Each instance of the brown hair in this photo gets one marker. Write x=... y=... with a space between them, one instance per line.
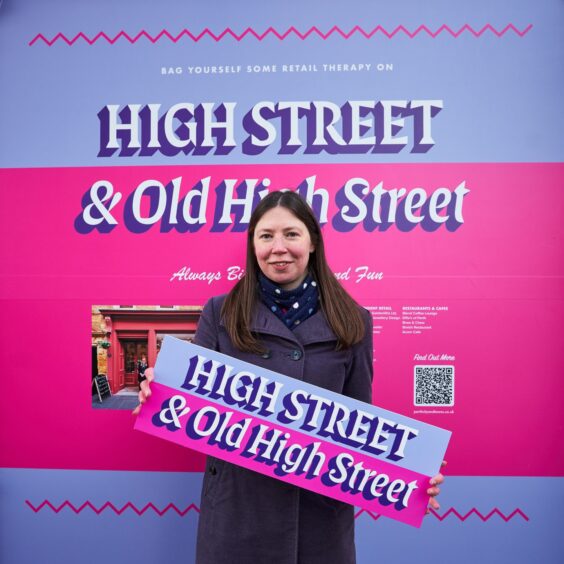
x=342 y=312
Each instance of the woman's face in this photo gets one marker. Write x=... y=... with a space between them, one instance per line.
x=282 y=246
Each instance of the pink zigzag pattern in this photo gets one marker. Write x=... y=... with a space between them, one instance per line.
x=452 y=511
x=335 y=30
x=474 y=511
x=181 y=512
x=375 y=516
x=109 y=505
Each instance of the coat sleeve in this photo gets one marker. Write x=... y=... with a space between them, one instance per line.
x=208 y=326
x=358 y=383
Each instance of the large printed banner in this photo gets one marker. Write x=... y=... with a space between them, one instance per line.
x=293 y=431
x=135 y=140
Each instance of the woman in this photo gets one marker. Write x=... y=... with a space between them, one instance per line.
x=141 y=369
x=288 y=314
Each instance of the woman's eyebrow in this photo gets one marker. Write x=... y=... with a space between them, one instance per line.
x=287 y=228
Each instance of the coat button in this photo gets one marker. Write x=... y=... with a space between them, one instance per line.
x=266 y=354
x=296 y=354
x=213 y=470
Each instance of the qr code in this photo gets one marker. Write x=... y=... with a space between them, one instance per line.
x=434 y=385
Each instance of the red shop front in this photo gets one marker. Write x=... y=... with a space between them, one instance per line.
x=133 y=333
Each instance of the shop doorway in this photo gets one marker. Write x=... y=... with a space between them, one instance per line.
x=132 y=352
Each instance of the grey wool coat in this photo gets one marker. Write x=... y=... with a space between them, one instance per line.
x=250 y=518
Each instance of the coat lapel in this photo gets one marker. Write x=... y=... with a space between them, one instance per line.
x=314 y=329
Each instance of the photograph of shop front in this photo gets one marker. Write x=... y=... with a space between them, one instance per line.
x=125 y=339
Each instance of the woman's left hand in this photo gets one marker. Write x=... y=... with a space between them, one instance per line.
x=434 y=490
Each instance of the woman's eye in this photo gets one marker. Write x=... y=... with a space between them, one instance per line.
x=292 y=234
x=264 y=236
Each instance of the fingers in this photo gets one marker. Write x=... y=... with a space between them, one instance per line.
x=145 y=391
x=434 y=504
x=150 y=375
x=434 y=491
x=142 y=399
x=437 y=480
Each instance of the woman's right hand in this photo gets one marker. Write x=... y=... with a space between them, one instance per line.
x=145 y=391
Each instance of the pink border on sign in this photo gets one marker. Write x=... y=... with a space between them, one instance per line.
x=412 y=514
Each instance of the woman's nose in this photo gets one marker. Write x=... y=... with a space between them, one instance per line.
x=278 y=245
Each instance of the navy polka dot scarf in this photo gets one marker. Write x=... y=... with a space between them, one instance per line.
x=292 y=307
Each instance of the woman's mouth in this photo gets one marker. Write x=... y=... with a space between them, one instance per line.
x=281 y=265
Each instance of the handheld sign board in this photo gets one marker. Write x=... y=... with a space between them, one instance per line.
x=293 y=431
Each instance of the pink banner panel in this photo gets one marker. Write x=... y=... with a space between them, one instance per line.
x=483 y=296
